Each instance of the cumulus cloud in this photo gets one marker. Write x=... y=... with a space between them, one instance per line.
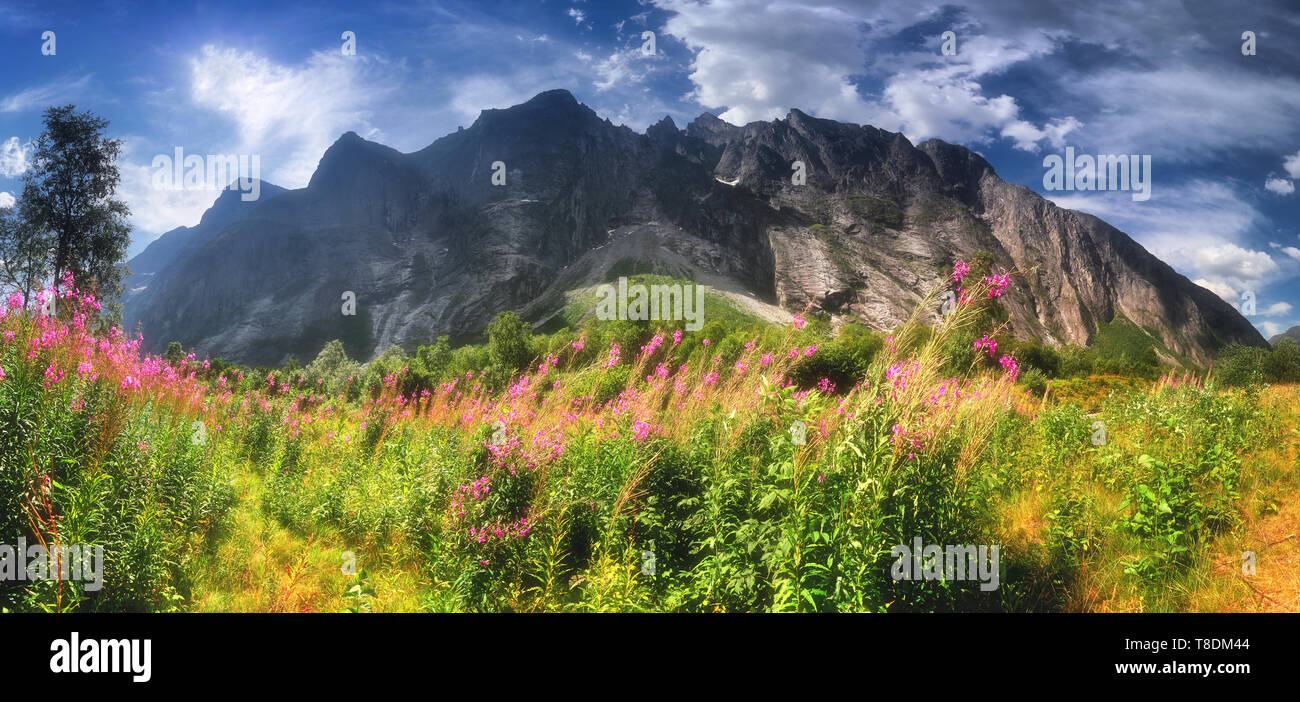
x=1027 y=135
x=1291 y=251
x=13 y=157
x=1292 y=165
x=6 y=201
x=758 y=59
x=1281 y=186
x=1277 y=308
x=1232 y=262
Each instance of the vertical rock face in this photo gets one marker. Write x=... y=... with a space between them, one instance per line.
x=431 y=244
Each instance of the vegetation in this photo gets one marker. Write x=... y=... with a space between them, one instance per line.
x=616 y=466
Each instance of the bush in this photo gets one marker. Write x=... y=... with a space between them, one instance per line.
x=1241 y=366
x=1282 y=365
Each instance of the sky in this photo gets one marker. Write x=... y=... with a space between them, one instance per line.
x=1016 y=81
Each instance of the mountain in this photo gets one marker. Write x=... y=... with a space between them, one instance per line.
x=180 y=242
x=1292 y=333
x=429 y=245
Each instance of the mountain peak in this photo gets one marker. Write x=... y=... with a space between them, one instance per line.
x=557 y=96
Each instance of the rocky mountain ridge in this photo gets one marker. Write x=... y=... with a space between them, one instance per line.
x=430 y=245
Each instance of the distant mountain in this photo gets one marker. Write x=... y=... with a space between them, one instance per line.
x=1292 y=333
x=430 y=246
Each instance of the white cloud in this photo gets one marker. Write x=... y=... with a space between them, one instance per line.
x=1193 y=227
x=622 y=68
x=1027 y=135
x=1164 y=120
x=13 y=157
x=759 y=59
x=474 y=94
x=1277 y=308
x=1281 y=186
x=1269 y=329
x=290 y=115
x=1232 y=262
x=1291 y=251
x=577 y=15
x=6 y=201
x=1292 y=165
x=1223 y=290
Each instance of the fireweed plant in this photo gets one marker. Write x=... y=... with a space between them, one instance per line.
x=747 y=479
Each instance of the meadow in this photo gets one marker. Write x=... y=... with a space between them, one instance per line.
x=617 y=466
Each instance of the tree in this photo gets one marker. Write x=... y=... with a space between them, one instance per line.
x=24 y=251
x=435 y=360
x=174 y=354
x=508 y=341
x=69 y=193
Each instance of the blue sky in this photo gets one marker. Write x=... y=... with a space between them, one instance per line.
x=1028 y=79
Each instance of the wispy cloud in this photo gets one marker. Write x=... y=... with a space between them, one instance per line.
x=42 y=96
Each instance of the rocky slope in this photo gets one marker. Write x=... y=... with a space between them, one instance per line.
x=1293 y=333
x=430 y=245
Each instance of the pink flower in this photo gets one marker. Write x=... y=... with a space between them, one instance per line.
x=1010 y=366
x=959 y=271
x=580 y=343
x=997 y=284
x=987 y=344
x=677 y=337
x=613 y=355
x=799 y=321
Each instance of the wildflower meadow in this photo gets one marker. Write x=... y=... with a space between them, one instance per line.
x=616 y=466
